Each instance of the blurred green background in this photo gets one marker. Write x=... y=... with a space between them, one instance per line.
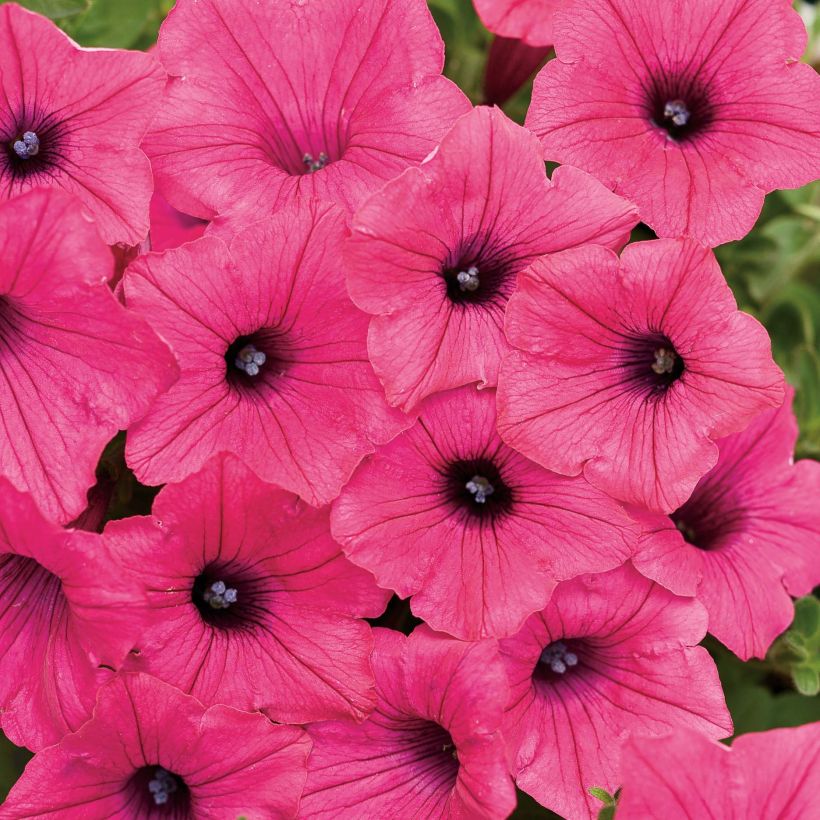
x=774 y=273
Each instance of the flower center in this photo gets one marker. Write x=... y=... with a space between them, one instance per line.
x=478 y=275
x=219 y=596
x=477 y=487
x=255 y=360
x=249 y=360
x=652 y=363
x=480 y=488
x=313 y=165
x=558 y=657
x=676 y=112
x=162 y=786
x=154 y=791
x=28 y=146
x=680 y=106
x=468 y=279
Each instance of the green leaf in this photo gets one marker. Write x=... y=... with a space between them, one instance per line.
x=806 y=616
x=806 y=680
x=118 y=23
x=603 y=795
x=55 y=9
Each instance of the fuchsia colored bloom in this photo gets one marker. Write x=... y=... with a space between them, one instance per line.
x=693 y=110
x=272 y=354
x=431 y=748
x=250 y=602
x=527 y=20
x=65 y=610
x=170 y=228
x=323 y=98
x=767 y=775
x=612 y=655
x=474 y=531
x=630 y=369
x=73 y=118
x=435 y=254
x=151 y=751
x=746 y=539
x=75 y=366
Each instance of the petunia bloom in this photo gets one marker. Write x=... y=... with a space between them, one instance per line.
x=150 y=751
x=170 y=228
x=73 y=118
x=249 y=601
x=747 y=538
x=692 y=110
x=75 y=366
x=273 y=100
x=476 y=533
x=431 y=748
x=766 y=775
x=629 y=370
x=437 y=275
x=272 y=353
x=66 y=620
x=611 y=656
x=527 y=20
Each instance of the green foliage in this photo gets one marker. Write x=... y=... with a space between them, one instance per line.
x=775 y=275
x=610 y=802
x=796 y=652
x=55 y=9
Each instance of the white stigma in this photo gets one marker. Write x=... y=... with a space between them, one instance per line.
x=219 y=595
x=558 y=657
x=249 y=360
x=317 y=164
x=162 y=786
x=480 y=488
x=27 y=147
x=664 y=361
x=676 y=111
x=468 y=279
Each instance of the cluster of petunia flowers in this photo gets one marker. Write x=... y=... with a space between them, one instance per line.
x=371 y=350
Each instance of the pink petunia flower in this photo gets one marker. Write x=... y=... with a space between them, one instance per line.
x=611 y=656
x=75 y=366
x=437 y=275
x=272 y=353
x=527 y=20
x=170 y=228
x=628 y=370
x=431 y=748
x=270 y=100
x=476 y=533
x=65 y=622
x=249 y=601
x=766 y=775
x=693 y=110
x=151 y=751
x=746 y=539
x=73 y=118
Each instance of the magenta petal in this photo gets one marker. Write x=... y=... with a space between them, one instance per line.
x=627 y=664
x=90 y=109
x=140 y=725
x=474 y=569
x=430 y=749
x=315 y=408
x=481 y=202
x=584 y=392
x=327 y=100
x=291 y=639
x=75 y=366
x=746 y=539
x=751 y=113
x=768 y=775
x=68 y=618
